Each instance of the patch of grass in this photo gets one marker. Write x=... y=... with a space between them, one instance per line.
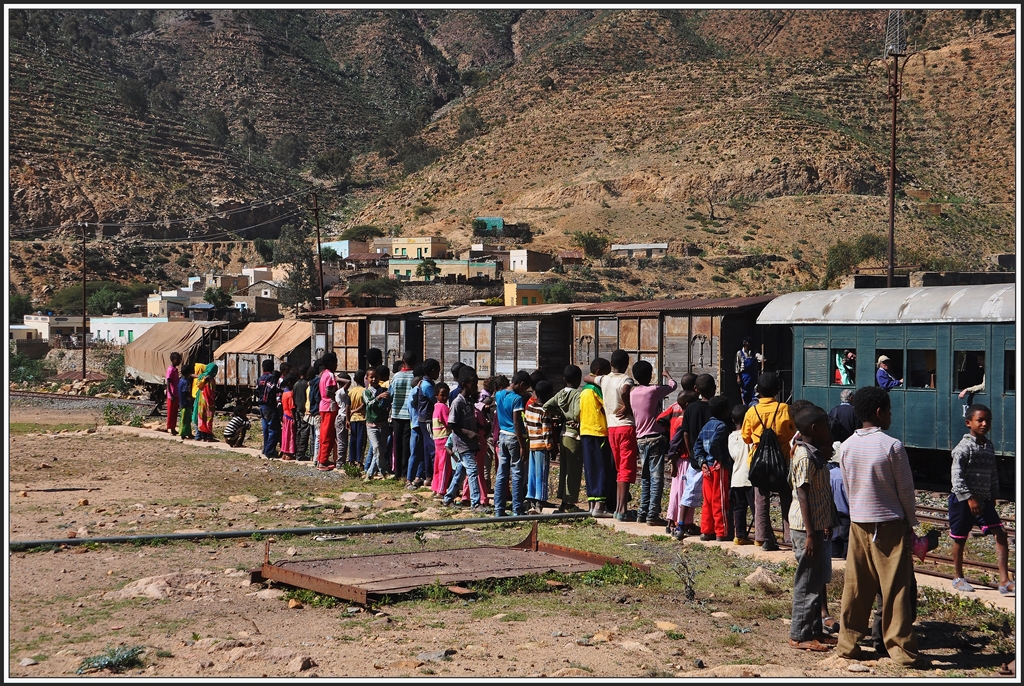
x=676 y=635
x=312 y=598
x=577 y=665
x=730 y=641
x=114 y=659
x=938 y=605
x=765 y=609
x=514 y=617
x=164 y=653
x=40 y=657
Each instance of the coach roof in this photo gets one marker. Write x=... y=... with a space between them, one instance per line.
x=950 y=304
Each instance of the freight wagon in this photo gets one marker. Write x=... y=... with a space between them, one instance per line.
x=240 y=360
x=351 y=331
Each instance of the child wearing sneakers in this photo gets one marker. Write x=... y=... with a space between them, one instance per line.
x=972 y=500
x=741 y=493
x=711 y=450
x=615 y=390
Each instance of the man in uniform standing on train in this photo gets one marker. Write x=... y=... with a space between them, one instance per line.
x=746 y=371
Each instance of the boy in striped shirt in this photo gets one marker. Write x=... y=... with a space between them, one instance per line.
x=539 y=430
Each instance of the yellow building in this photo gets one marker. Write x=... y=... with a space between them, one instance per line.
x=523 y=294
x=454 y=270
x=419 y=247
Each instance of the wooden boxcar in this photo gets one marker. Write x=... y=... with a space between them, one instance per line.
x=699 y=336
x=351 y=331
x=939 y=339
x=501 y=340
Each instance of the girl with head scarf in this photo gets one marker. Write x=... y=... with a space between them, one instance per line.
x=197 y=372
x=206 y=402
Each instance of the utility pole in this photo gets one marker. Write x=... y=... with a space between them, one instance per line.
x=319 y=255
x=895 y=47
x=84 y=330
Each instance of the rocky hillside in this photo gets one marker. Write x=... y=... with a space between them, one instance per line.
x=741 y=132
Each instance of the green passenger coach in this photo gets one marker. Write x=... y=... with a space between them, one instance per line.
x=939 y=340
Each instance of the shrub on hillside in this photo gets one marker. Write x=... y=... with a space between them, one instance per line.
x=132 y=94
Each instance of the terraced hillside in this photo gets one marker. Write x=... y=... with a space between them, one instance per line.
x=738 y=132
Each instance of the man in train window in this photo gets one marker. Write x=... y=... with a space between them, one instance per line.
x=883 y=377
x=746 y=371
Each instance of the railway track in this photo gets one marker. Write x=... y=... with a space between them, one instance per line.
x=62 y=401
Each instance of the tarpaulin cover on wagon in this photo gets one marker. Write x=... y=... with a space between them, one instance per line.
x=276 y=338
x=149 y=356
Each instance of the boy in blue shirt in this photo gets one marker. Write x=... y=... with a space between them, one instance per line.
x=510 y=403
x=711 y=452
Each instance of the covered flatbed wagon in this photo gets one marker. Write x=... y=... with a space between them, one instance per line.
x=241 y=358
x=148 y=357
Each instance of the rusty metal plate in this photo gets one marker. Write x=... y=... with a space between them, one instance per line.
x=360 y=578
x=383 y=574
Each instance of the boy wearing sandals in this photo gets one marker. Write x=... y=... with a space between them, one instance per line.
x=811 y=519
x=972 y=501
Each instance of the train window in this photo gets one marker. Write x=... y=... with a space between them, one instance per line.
x=843 y=370
x=920 y=369
x=969 y=371
x=1010 y=371
x=815 y=367
x=893 y=365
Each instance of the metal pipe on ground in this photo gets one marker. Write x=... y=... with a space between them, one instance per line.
x=297 y=531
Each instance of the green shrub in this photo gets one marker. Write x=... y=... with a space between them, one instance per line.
x=25 y=369
x=115 y=660
x=118 y=413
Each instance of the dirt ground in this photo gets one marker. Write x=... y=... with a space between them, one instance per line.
x=203 y=618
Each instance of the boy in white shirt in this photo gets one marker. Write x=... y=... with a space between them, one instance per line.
x=741 y=493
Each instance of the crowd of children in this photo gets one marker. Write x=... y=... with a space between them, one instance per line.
x=848 y=493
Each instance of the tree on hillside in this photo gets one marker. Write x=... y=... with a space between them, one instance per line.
x=471 y=124
x=427 y=269
x=332 y=164
x=302 y=284
x=592 y=244
x=265 y=249
x=215 y=124
x=558 y=292
x=218 y=298
x=287 y=150
x=376 y=289
x=20 y=305
x=132 y=94
x=105 y=300
x=362 y=232
x=329 y=255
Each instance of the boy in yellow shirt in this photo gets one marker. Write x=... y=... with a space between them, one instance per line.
x=597 y=455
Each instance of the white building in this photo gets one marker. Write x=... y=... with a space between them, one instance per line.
x=49 y=325
x=121 y=330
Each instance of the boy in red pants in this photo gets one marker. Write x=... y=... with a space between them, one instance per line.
x=711 y=450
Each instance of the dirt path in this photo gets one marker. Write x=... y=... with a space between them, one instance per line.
x=203 y=618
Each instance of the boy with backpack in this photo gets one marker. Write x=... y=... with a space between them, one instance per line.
x=768 y=429
x=711 y=451
x=566 y=404
x=267 y=396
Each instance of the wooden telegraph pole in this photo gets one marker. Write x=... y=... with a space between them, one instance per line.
x=319 y=255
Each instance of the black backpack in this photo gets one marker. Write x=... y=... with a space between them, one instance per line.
x=266 y=390
x=314 y=395
x=769 y=469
